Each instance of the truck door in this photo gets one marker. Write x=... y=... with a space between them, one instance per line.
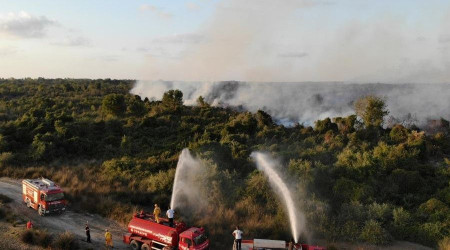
x=186 y=244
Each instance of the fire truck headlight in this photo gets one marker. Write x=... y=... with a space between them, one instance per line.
x=63 y=208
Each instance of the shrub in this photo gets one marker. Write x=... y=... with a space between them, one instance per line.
x=42 y=238
x=380 y=212
x=402 y=223
x=65 y=241
x=431 y=233
x=6 y=158
x=4 y=199
x=374 y=233
x=114 y=104
x=444 y=244
x=36 y=237
x=27 y=236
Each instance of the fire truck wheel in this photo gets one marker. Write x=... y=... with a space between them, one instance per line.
x=135 y=245
x=145 y=247
x=41 y=211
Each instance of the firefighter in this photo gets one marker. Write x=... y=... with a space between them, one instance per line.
x=88 y=233
x=108 y=239
x=29 y=224
x=170 y=213
x=237 y=238
x=156 y=213
x=291 y=245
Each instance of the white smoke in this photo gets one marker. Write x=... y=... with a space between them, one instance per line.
x=308 y=102
x=306 y=40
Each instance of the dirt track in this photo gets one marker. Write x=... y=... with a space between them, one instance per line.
x=68 y=221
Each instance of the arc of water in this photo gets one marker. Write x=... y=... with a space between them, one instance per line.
x=176 y=184
x=266 y=165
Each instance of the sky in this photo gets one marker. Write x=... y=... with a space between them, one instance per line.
x=212 y=40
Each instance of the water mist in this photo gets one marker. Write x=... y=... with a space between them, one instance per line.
x=267 y=165
x=186 y=192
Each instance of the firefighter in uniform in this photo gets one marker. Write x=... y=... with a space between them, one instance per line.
x=108 y=239
x=156 y=213
x=88 y=233
x=29 y=224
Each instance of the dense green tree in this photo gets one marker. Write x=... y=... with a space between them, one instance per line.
x=172 y=99
x=114 y=104
x=371 y=110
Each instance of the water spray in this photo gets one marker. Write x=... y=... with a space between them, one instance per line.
x=265 y=164
x=185 y=189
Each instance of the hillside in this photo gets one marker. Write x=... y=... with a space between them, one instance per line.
x=115 y=153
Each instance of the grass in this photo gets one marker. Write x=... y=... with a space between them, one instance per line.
x=65 y=241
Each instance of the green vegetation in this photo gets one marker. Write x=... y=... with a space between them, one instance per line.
x=115 y=153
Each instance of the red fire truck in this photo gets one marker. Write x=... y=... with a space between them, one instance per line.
x=145 y=234
x=43 y=195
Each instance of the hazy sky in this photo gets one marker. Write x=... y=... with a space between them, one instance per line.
x=256 y=40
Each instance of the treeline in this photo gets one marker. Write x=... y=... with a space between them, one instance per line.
x=356 y=180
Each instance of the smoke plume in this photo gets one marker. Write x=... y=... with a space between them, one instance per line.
x=308 y=102
x=306 y=40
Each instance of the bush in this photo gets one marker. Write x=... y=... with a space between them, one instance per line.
x=43 y=238
x=65 y=241
x=6 y=158
x=431 y=233
x=36 y=237
x=4 y=199
x=27 y=236
x=444 y=244
x=374 y=233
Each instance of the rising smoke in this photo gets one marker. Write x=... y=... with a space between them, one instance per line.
x=307 y=102
x=310 y=40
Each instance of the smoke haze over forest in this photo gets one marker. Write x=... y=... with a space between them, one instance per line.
x=307 y=102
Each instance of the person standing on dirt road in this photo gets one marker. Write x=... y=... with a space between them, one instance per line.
x=88 y=233
x=29 y=224
x=170 y=213
x=237 y=238
x=108 y=239
x=156 y=213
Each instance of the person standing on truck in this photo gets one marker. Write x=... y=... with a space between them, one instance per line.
x=170 y=213
x=88 y=233
x=237 y=238
x=291 y=244
x=108 y=239
x=29 y=224
x=156 y=213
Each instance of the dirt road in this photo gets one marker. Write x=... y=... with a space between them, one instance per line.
x=68 y=221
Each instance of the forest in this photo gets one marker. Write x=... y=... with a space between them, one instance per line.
x=357 y=180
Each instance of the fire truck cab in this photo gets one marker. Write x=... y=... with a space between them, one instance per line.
x=43 y=195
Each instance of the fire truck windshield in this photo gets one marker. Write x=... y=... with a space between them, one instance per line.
x=54 y=197
x=200 y=239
